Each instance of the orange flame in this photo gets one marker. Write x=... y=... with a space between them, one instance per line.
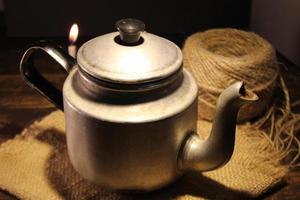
x=73 y=33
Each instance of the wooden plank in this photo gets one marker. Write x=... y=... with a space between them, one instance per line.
x=13 y=120
x=15 y=93
x=291 y=190
x=10 y=62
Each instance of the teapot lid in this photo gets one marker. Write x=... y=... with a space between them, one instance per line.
x=129 y=56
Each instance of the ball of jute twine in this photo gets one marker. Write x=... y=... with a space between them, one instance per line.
x=219 y=57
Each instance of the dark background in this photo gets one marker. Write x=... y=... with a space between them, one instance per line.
x=53 y=18
x=276 y=20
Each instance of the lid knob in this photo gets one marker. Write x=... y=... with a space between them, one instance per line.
x=130 y=30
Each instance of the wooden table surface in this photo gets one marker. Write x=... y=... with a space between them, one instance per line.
x=20 y=105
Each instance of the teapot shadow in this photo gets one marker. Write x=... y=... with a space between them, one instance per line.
x=69 y=184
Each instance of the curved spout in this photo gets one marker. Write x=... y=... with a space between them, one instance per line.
x=204 y=155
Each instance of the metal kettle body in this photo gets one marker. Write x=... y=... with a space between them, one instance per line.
x=129 y=144
x=131 y=110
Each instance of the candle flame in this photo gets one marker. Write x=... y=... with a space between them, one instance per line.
x=73 y=33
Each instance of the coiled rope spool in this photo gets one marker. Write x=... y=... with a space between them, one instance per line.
x=219 y=57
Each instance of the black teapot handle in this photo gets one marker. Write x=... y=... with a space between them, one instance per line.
x=35 y=80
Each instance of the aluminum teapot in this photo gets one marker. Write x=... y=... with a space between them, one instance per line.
x=131 y=110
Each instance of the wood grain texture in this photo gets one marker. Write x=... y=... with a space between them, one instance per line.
x=14 y=93
x=20 y=105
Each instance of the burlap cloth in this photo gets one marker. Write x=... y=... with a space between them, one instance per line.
x=35 y=165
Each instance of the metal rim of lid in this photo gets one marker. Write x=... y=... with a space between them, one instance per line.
x=113 y=77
